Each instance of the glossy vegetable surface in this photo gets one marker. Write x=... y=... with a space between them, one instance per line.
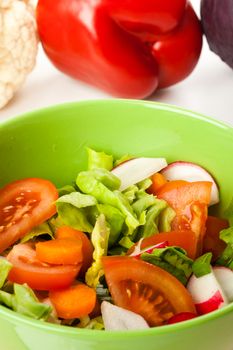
x=128 y=48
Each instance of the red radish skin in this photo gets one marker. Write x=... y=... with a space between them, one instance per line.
x=191 y=172
x=210 y=305
x=224 y=277
x=137 y=169
x=206 y=293
x=138 y=252
x=183 y=316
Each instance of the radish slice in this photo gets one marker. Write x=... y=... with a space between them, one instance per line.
x=207 y=294
x=138 y=252
x=191 y=172
x=137 y=169
x=116 y=318
x=183 y=316
x=225 y=279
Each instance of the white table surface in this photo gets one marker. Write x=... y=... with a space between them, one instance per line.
x=208 y=90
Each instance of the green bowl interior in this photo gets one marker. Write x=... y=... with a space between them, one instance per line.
x=51 y=143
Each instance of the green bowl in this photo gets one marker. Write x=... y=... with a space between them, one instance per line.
x=50 y=143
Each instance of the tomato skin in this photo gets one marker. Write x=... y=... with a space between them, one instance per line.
x=38 y=275
x=190 y=201
x=146 y=289
x=131 y=44
x=24 y=204
x=212 y=242
x=184 y=239
x=183 y=316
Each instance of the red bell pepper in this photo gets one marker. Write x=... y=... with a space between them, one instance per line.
x=126 y=47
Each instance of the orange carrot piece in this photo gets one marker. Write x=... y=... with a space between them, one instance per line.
x=74 y=302
x=87 y=247
x=60 y=251
x=158 y=180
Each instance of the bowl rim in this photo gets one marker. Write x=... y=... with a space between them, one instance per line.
x=80 y=333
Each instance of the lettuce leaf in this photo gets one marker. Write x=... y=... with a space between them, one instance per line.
x=71 y=210
x=25 y=302
x=172 y=259
x=99 y=238
x=40 y=230
x=226 y=258
x=115 y=219
x=202 y=265
x=99 y=160
x=94 y=323
x=90 y=183
x=152 y=214
x=5 y=267
x=66 y=190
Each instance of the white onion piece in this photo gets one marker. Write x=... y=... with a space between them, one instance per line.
x=135 y=170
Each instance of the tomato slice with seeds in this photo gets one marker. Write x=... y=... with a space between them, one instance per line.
x=146 y=289
x=38 y=275
x=190 y=201
x=24 y=204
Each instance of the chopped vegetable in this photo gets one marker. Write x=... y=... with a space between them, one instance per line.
x=74 y=302
x=62 y=251
x=118 y=319
x=99 y=238
x=132 y=45
x=18 y=45
x=202 y=265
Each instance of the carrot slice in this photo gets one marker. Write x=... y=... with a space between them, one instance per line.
x=60 y=251
x=87 y=247
x=158 y=181
x=74 y=302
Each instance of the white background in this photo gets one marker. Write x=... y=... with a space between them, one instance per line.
x=208 y=90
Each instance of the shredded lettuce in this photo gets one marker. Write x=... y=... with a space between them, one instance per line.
x=226 y=258
x=72 y=211
x=66 y=190
x=165 y=219
x=123 y=159
x=24 y=301
x=202 y=265
x=40 y=230
x=115 y=219
x=94 y=323
x=99 y=160
x=172 y=259
x=152 y=214
x=5 y=267
x=228 y=214
x=99 y=238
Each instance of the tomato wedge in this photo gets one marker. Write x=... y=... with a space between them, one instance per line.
x=146 y=289
x=24 y=204
x=38 y=275
x=190 y=201
x=184 y=239
x=212 y=242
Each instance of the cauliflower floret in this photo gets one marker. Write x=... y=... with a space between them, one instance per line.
x=18 y=46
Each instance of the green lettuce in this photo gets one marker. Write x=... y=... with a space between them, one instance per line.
x=202 y=265
x=40 y=230
x=66 y=190
x=72 y=211
x=25 y=302
x=115 y=219
x=152 y=214
x=165 y=219
x=172 y=259
x=5 y=267
x=99 y=160
x=99 y=238
x=123 y=159
x=94 y=323
x=226 y=258
x=90 y=183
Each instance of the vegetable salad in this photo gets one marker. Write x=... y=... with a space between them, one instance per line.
x=129 y=245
